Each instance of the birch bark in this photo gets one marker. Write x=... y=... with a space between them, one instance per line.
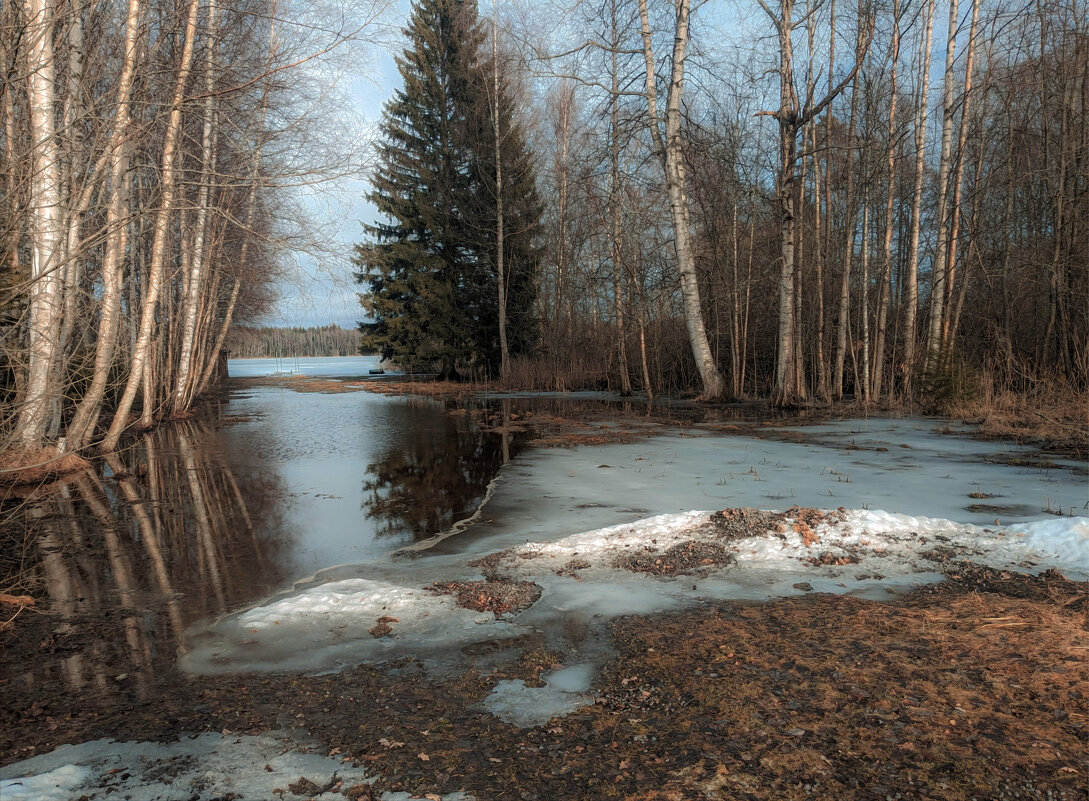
x=186 y=375
x=669 y=149
x=89 y=408
x=45 y=228
x=142 y=348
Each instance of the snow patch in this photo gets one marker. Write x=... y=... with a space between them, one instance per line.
x=337 y=624
x=564 y=691
x=201 y=768
x=54 y=785
x=867 y=553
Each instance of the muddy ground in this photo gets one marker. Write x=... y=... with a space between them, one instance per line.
x=977 y=688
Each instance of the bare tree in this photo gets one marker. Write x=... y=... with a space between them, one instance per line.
x=792 y=116
x=668 y=146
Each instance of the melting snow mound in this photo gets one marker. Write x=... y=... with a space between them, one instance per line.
x=657 y=564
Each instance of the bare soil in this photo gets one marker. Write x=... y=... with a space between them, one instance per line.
x=977 y=688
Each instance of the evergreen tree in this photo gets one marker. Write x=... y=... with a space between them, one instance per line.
x=430 y=268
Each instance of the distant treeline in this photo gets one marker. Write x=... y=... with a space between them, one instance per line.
x=268 y=342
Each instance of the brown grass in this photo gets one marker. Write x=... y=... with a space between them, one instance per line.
x=1051 y=414
x=962 y=691
x=22 y=467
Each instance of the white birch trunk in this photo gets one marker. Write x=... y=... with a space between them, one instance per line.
x=504 y=350
x=614 y=204
x=186 y=374
x=958 y=182
x=938 y=280
x=45 y=229
x=911 y=282
x=884 y=288
x=142 y=347
x=714 y=386
x=88 y=410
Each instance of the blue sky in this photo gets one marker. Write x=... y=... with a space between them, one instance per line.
x=318 y=288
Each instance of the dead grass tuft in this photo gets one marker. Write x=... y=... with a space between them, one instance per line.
x=1051 y=414
x=22 y=467
x=691 y=557
x=496 y=595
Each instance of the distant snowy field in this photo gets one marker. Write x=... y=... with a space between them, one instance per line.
x=567 y=519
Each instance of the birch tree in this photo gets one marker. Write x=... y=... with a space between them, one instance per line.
x=668 y=146
x=792 y=116
x=45 y=228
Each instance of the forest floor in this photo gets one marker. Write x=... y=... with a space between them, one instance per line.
x=973 y=688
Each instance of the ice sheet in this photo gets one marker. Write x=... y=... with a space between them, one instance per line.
x=200 y=768
x=903 y=466
x=564 y=691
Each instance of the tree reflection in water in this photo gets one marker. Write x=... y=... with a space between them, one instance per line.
x=431 y=480
x=127 y=555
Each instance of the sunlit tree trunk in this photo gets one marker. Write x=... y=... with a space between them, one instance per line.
x=45 y=302
x=88 y=410
x=950 y=272
x=884 y=283
x=74 y=170
x=140 y=357
x=504 y=350
x=670 y=152
x=863 y=372
x=792 y=119
x=616 y=234
x=185 y=373
x=843 y=318
x=911 y=281
x=818 y=267
x=938 y=281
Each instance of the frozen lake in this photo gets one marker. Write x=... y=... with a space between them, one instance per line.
x=331 y=366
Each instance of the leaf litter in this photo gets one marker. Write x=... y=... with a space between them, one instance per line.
x=973 y=688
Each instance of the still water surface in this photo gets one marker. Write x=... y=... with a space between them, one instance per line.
x=201 y=517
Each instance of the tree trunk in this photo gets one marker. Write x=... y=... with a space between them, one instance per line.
x=945 y=342
x=87 y=413
x=848 y=251
x=45 y=229
x=185 y=374
x=141 y=351
x=911 y=282
x=504 y=350
x=614 y=206
x=938 y=281
x=714 y=386
x=884 y=284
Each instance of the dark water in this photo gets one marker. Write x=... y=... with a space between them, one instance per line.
x=202 y=517
x=124 y=557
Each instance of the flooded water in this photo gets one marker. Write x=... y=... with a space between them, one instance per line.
x=202 y=518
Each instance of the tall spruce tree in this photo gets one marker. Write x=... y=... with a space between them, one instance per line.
x=429 y=270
